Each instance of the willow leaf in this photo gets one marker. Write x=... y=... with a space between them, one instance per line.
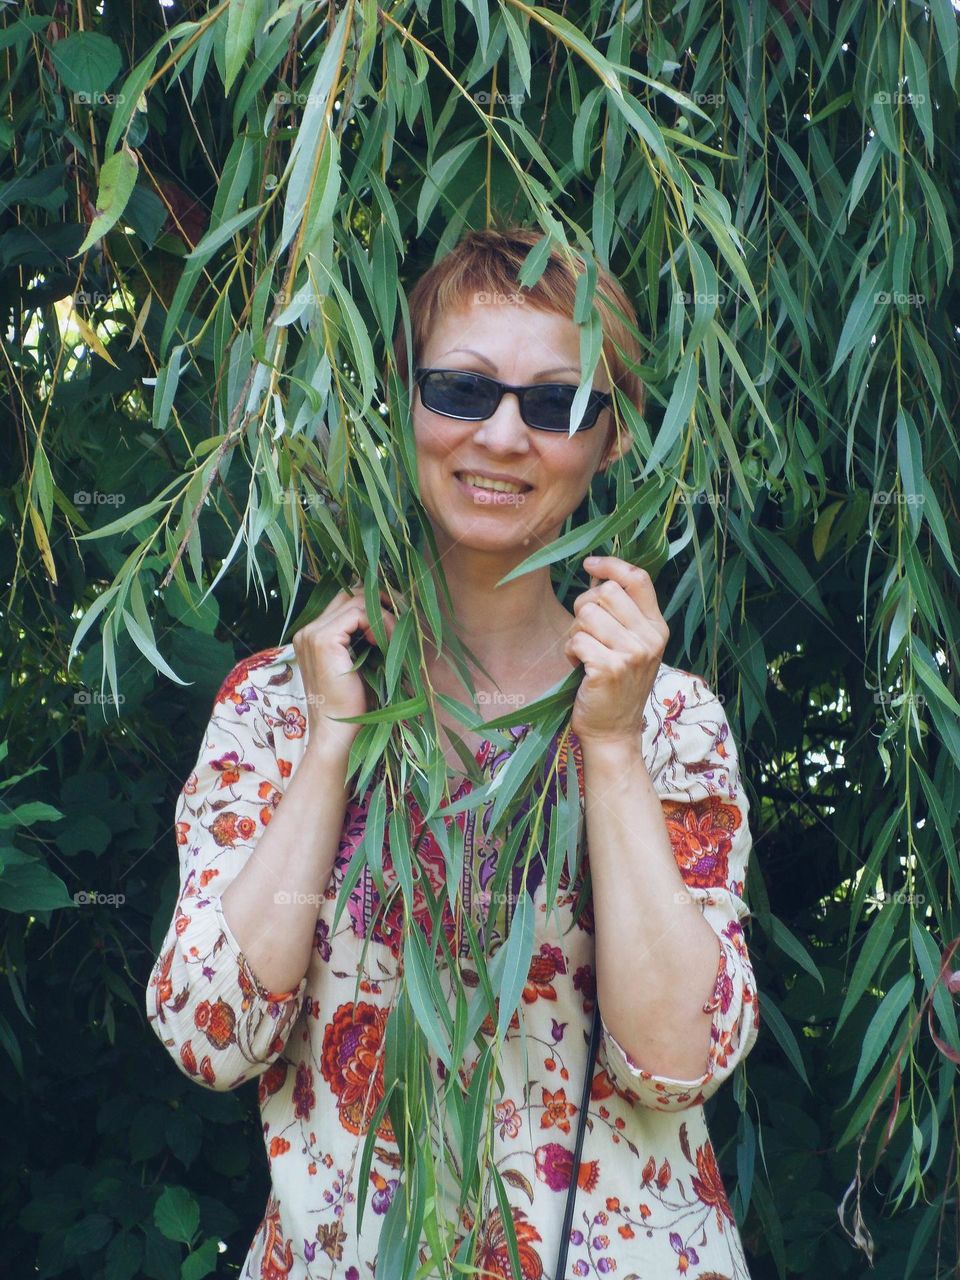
x=881 y=1026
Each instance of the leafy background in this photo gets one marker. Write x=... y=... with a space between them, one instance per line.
x=787 y=229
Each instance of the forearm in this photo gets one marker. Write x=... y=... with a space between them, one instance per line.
x=272 y=903
x=656 y=956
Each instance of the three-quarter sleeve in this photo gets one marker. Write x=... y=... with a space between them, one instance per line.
x=210 y=1011
x=706 y=811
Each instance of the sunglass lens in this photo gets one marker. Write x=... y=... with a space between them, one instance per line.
x=458 y=394
x=549 y=406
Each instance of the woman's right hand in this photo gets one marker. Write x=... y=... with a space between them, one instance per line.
x=323 y=653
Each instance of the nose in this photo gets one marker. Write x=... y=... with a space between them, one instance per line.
x=504 y=431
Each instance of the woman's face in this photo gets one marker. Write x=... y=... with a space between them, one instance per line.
x=519 y=345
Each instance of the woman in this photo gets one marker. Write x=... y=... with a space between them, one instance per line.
x=252 y=983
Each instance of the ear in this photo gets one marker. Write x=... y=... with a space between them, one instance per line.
x=615 y=447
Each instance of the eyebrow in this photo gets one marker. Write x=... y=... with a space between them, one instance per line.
x=563 y=368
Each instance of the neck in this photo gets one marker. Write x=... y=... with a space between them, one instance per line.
x=505 y=626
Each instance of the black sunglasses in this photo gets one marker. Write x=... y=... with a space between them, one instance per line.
x=472 y=397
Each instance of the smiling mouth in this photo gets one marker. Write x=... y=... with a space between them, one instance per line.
x=495 y=486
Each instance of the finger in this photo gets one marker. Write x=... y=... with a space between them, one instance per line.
x=389 y=622
x=635 y=581
x=612 y=597
x=597 y=621
x=587 y=649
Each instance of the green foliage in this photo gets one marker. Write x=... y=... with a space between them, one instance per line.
x=206 y=222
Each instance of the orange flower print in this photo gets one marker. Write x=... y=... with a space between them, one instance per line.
x=562 y=756
x=674 y=709
x=164 y=985
x=722 y=1049
x=285 y=767
x=722 y=988
x=277 y=1252
x=555 y=1167
x=190 y=786
x=701 y=834
x=278 y=1147
x=493 y=1254
x=685 y=1256
x=228 y=827
x=207 y=875
x=708 y=1185
x=544 y=967
x=352 y=1053
x=228 y=691
x=229 y=767
x=650 y=1173
x=271 y=1080
x=182 y=828
x=486 y=1026
x=508 y=1118
x=188 y=1058
x=206 y=1070
x=181 y=922
x=292 y=722
x=557 y=1109
x=602 y=1087
x=304 y=1097
x=267 y=791
x=216 y=1021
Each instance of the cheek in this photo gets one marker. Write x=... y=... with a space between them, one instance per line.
x=575 y=464
x=427 y=439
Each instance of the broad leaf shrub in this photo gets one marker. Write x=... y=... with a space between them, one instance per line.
x=207 y=219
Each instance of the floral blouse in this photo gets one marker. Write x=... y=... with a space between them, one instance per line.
x=650 y=1200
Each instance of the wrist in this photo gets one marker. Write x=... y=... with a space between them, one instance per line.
x=330 y=747
x=614 y=749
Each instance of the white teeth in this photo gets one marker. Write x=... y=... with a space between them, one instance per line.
x=501 y=486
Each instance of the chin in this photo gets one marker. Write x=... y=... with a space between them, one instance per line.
x=501 y=541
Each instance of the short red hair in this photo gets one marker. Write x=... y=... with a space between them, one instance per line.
x=488 y=262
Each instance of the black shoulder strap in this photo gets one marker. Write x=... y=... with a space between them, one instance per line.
x=578 y=1146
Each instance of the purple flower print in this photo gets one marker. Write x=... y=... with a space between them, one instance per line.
x=247 y=696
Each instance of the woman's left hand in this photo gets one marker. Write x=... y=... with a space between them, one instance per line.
x=619 y=635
